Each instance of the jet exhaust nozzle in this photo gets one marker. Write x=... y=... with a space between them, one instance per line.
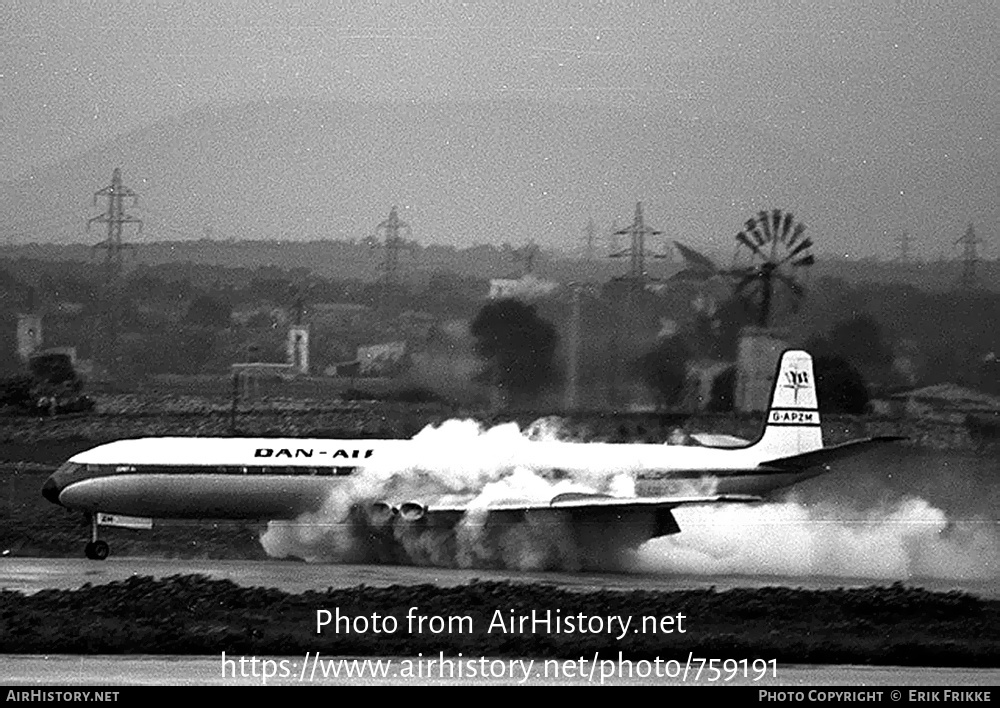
x=381 y=513
x=412 y=511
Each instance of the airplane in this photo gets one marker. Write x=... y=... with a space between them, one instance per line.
x=259 y=479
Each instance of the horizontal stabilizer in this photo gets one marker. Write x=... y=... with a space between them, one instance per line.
x=828 y=455
x=719 y=440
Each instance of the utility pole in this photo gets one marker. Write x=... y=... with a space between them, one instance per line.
x=635 y=282
x=393 y=243
x=116 y=218
x=903 y=241
x=970 y=257
x=390 y=230
x=636 y=252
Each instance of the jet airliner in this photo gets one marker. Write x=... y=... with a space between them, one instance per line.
x=282 y=478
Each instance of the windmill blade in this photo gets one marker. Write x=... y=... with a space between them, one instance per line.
x=797 y=234
x=765 y=223
x=745 y=240
x=758 y=237
x=741 y=272
x=776 y=221
x=786 y=227
x=806 y=260
x=803 y=245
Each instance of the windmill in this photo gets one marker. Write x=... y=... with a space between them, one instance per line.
x=771 y=255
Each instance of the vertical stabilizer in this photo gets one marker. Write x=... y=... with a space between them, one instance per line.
x=792 y=424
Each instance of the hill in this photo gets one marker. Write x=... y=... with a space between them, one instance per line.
x=476 y=172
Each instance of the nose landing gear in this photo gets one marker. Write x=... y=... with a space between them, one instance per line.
x=96 y=549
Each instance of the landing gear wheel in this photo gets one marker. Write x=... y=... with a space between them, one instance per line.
x=97 y=550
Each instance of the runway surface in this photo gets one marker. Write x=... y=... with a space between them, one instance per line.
x=209 y=671
x=30 y=575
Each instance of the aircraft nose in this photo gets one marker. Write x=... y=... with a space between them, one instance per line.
x=50 y=490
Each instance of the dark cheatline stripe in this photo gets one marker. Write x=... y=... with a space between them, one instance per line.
x=229 y=470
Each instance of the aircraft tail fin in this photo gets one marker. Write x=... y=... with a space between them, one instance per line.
x=792 y=425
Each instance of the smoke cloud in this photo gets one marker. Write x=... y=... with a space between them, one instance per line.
x=458 y=462
x=908 y=515
x=906 y=539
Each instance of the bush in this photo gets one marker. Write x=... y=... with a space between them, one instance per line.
x=723 y=391
x=664 y=370
x=16 y=391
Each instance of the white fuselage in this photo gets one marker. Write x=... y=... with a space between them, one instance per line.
x=271 y=478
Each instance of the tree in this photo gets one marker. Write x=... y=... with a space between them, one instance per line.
x=733 y=315
x=55 y=370
x=839 y=386
x=723 y=395
x=664 y=370
x=859 y=340
x=518 y=348
x=209 y=311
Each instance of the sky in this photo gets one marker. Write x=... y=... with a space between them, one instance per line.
x=903 y=93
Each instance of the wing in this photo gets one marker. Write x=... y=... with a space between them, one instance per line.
x=584 y=501
x=651 y=516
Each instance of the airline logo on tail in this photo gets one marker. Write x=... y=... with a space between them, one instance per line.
x=797 y=381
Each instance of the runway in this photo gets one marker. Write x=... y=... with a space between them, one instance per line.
x=30 y=575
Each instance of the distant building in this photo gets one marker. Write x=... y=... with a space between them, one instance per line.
x=297 y=348
x=381 y=359
x=942 y=401
x=372 y=360
x=29 y=335
x=526 y=288
x=296 y=362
